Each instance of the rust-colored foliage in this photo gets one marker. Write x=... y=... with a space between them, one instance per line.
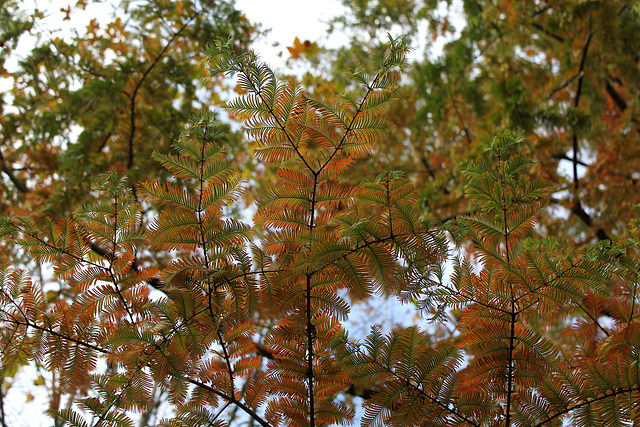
x=251 y=318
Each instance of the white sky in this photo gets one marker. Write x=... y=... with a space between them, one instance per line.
x=306 y=20
x=286 y=19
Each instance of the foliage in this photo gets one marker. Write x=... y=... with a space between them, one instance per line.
x=78 y=100
x=562 y=73
x=86 y=100
x=218 y=314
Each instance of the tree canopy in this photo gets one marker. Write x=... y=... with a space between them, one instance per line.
x=490 y=190
x=561 y=73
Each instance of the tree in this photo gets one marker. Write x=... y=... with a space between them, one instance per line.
x=251 y=318
x=562 y=73
x=84 y=102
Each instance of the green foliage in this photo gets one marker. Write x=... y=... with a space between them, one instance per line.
x=561 y=73
x=102 y=97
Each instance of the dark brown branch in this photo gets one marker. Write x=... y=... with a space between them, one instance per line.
x=154 y=282
x=615 y=96
x=311 y=329
x=547 y=32
x=563 y=85
x=427 y=166
x=619 y=101
x=20 y=186
x=435 y=400
x=349 y=128
x=455 y=216
x=311 y=333
x=104 y=142
x=539 y=26
x=593 y=319
x=510 y=363
x=227 y=359
x=112 y=274
x=576 y=102
x=513 y=313
x=277 y=119
x=3 y=422
x=142 y=79
x=539 y=11
x=563 y=156
x=467 y=134
x=70 y=60
x=583 y=59
x=56 y=334
x=264 y=351
x=365 y=393
x=353 y=390
x=367 y=244
x=233 y=400
x=579 y=211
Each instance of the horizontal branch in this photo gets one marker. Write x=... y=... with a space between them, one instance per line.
x=586 y=402
x=57 y=334
x=563 y=156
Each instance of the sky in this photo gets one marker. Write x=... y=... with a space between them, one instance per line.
x=281 y=17
x=284 y=28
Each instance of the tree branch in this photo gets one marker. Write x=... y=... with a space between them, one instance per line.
x=576 y=102
x=142 y=79
x=563 y=156
x=435 y=400
x=20 y=186
x=563 y=85
x=467 y=134
x=615 y=96
x=57 y=334
x=233 y=400
x=3 y=422
x=587 y=401
x=579 y=211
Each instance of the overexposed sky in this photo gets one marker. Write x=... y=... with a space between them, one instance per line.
x=288 y=19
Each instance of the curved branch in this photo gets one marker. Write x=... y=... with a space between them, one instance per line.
x=20 y=186
x=446 y=407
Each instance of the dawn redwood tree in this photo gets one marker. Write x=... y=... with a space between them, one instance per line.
x=249 y=320
x=87 y=99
